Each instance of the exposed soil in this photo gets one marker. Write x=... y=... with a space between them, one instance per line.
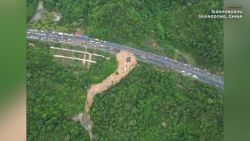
x=39 y=11
x=126 y=61
x=85 y=121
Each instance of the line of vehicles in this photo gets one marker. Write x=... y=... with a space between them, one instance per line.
x=84 y=41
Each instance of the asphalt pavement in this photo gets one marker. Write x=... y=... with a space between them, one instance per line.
x=159 y=60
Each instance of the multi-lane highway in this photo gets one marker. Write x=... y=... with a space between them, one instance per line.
x=162 y=61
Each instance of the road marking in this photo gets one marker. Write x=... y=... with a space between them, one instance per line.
x=73 y=58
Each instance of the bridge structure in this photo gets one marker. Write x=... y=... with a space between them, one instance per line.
x=86 y=58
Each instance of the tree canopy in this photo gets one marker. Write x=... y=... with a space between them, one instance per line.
x=158 y=26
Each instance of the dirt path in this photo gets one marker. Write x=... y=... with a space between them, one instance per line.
x=39 y=12
x=126 y=61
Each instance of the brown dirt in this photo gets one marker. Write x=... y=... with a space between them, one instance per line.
x=126 y=62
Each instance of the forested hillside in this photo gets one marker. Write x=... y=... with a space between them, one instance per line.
x=162 y=26
x=56 y=93
x=159 y=107
x=149 y=104
x=30 y=8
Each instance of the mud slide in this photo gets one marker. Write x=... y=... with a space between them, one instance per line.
x=126 y=61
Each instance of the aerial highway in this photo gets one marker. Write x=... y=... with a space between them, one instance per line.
x=159 y=60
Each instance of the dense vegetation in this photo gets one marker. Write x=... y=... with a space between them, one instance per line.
x=55 y=94
x=30 y=8
x=165 y=107
x=162 y=26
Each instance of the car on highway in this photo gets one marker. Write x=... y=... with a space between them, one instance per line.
x=195 y=76
x=143 y=57
x=185 y=69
